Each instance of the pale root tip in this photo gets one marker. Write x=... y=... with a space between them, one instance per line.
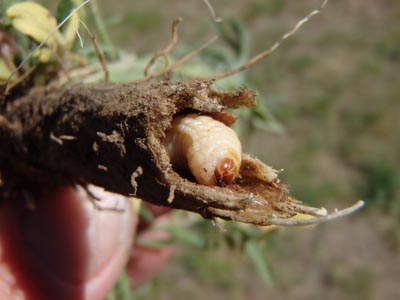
x=322 y=211
x=319 y=219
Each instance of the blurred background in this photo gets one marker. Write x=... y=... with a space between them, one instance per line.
x=328 y=115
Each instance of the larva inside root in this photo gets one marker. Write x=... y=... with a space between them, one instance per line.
x=212 y=153
x=209 y=149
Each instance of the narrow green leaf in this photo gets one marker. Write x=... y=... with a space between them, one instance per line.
x=153 y=244
x=122 y=289
x=256 y=255
x=63 y=9
x=186 y=236
x=146 y=214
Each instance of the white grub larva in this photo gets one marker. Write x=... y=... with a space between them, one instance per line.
x=208 y=148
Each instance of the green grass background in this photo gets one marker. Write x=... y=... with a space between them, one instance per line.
x=334 y=89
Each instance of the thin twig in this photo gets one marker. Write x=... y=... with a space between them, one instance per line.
x=79 y=73
x=20 y=79
x=99 y=52
x=63 y=68
x=212 y=11
x=255 y=59
x=165 y=52
x=179 y=62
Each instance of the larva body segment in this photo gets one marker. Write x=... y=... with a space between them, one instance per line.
x=208 y=148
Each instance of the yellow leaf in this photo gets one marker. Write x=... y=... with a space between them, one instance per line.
x=35 y=21
x=4 y=70
x=43 y=54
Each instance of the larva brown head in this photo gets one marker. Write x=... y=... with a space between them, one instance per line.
x=225 y=172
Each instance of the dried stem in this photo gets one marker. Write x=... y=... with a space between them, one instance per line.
x=257 y=58
x=10 y=86
x=179 y=62
x=99 y=52
x=76 y=74
x=166 y=51
x=63 y=68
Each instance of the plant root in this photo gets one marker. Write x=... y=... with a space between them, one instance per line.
x=113 y=135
